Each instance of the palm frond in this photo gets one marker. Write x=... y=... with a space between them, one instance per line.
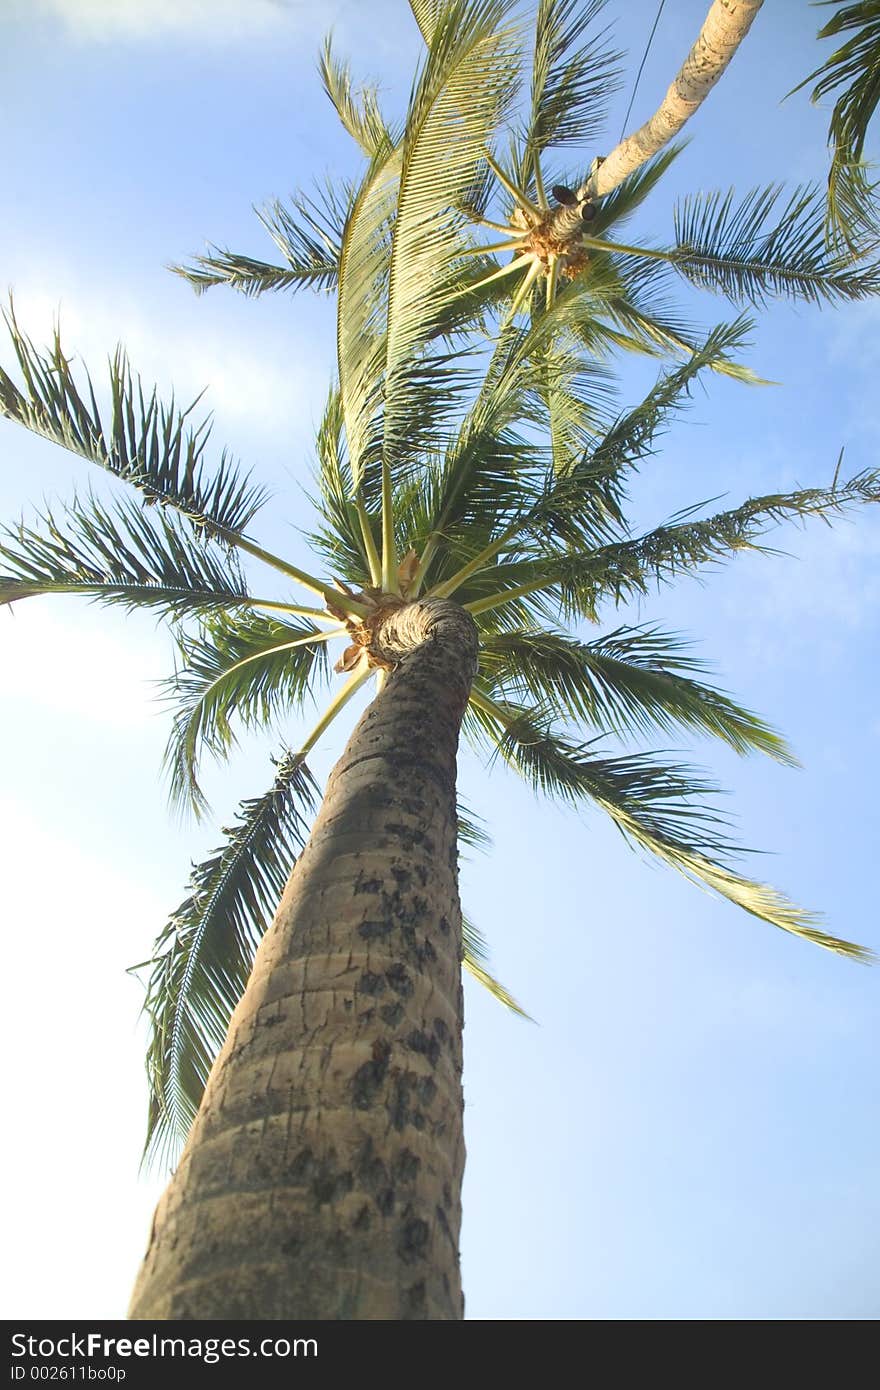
x=358 y=111
x=482 y=470
x=637 y=314
x=308 y=235
x=251 y=276
x=591 y=491
x=625 y=569
x=656 y=807
x=753 y=251
x=250 y=668
x=464 y=87
x=145 y=443
x=472 y=830
x=426 y=14
x=853 y=210
x=683 y=546
x=340 y=536
x=631 y=681
x=476 y=962
x=204 y=954
x=854 y=66
x=579 y=498
x=121 y=554
x=361 y=322
x=572 y=387
x=574 y=73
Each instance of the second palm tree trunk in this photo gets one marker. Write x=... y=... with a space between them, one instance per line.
x=322 y=1175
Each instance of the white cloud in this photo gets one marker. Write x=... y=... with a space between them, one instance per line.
x=69 y=660
x=212 y=21
x=252 y=385
x=833 y=584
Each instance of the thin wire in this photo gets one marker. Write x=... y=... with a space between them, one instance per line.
x=641 y=68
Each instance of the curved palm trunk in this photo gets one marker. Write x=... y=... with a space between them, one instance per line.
x=724 y=29
x=322 y=1175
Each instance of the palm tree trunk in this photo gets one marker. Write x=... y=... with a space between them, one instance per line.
x=724 y=29
x=322 y=1175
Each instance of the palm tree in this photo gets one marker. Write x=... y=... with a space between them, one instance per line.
x=473 y=478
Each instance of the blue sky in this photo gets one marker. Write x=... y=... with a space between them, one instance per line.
x=690 y=1131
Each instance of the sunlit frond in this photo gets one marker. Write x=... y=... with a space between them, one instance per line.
x=752 y=249
x=357 y=110
x=308 y=235
x=578 y=505
x=852 y=72
x=476 y=962
x=461 y=93
x=631 y=681
x=144 y=442
x=426 y=13
x=118 y=554
x=341 y=536
x=625 y=569
x=574 y=74
x=361 y=318
x=658 y=807
x=855 y=67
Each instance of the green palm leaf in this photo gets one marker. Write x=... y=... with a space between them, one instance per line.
x=308 y=235
x=204 y=954
x=466 y=83
x=144 y=443
x=625 y=569
x=251 y=668
x=578 y=506
x=633 y=680
x=426 y=14
x=485 y=463
x=340 y=537
x=120 y=554
x=476 y=962
x=574 y=73
x=360 y=319
x=854 y=66
x=753 y=251
x=654 y=805
x=472 y=830
x=358 y=111
x=638 y=316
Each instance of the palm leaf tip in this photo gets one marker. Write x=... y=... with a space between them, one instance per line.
x=203 y=956
x=574 y=74
x=658 y=808
x=143 y=442
x=357 y=110
x=762 y=901
x=475 y=960
x=121 y=554
x=754 y=251
x=631 y=681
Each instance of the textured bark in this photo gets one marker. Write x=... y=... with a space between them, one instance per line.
x=725 y=27
x=322 y=1175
